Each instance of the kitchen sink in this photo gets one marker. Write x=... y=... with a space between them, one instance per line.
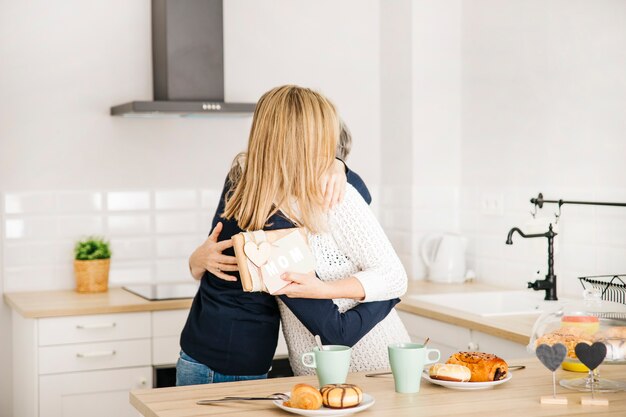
x=493 y=303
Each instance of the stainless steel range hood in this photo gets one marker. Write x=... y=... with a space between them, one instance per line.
x=187 y=63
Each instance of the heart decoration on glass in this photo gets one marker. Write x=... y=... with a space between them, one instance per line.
x=551 y=356
x=258 y=254
x=591 y=355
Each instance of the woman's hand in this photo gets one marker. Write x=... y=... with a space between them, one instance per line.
x=334 y=184
x=208 y=257
x=310 y=286
x=304 y=286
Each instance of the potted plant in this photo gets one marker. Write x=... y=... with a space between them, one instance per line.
x=92 y=259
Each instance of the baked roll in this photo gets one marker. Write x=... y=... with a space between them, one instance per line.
x=305 y=397
x=568 y=336
x=341 y=395
x=485 y=367
x=450 y=372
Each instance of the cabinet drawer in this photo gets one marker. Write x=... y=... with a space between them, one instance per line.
x=93 y=328
x=168 y=323
x=90 y=356
x=93 y=394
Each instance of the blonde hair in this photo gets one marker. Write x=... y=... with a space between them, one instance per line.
x=291 y=145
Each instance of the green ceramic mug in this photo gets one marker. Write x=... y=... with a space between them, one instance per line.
x=331 y=364
x=407 y=362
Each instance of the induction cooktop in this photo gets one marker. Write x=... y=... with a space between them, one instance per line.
x=164 y=291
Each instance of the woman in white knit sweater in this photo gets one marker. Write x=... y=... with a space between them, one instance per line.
x=354 y=259
x=356 y=246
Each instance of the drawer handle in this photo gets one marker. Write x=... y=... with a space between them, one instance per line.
x=96 y=354
x=96 y=326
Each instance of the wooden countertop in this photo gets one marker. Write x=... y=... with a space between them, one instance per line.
x=516 y=328
x=518 y=397
x=39 y=304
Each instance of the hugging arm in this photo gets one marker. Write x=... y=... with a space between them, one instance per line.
x=322 y=317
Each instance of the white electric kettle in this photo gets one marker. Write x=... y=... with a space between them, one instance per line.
x=444 y=255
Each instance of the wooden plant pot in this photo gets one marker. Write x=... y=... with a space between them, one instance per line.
x=92 y=276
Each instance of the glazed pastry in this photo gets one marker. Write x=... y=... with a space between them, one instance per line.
x=305 y=397
x=484 y=367
x=341 y=395
x=568 y=336
x=450 y=372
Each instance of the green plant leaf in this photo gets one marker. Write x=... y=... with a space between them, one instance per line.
x=91 y=248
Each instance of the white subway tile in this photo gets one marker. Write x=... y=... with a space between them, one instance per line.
x=80 y=226
x=210 y=199
x=38 y=278
x=129 y=224
x=18 y=253
x=577 y=230
x=395 y=196
x=491 y=246
x=577 y=258
x=131 y=248
x=31 y=228
x=176 y=246
x=79 y=201
x=436 y=197
x=17 y=203
x=175 y=199
x=505 y=274
x=434 y=220
x=205 y=223
x=611 y=260
x=173 y=270
x=176 y=223
x=125 y=272
x=128 y=200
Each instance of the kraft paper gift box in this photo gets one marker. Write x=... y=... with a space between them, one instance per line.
x=263 y=256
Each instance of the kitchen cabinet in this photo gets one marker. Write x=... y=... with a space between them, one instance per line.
x=65 y=366
x=96 y=394
x=449 y=338
x=68 y=365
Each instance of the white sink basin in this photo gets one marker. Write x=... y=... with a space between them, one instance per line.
x=493 y=303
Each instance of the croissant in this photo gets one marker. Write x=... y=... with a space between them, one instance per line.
x=484 y=367
x=305 y=397
x=341 y=395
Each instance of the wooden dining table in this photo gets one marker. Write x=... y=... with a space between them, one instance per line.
x=518 y=397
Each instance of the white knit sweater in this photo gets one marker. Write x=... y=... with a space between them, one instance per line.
x=354 y=246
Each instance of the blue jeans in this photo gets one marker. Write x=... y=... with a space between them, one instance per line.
x=191 y=372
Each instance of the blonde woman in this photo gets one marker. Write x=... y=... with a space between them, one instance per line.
x=231 y=335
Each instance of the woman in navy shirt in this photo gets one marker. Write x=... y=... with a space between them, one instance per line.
x=232 y=335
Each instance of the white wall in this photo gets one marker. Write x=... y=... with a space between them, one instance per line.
x=507 y=99
x=64 y=64
x=421 y=122
x=544 y=93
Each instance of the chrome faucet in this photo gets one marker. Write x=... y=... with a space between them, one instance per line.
x=548 y=284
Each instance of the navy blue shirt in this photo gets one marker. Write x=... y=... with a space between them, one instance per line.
x=235 y=332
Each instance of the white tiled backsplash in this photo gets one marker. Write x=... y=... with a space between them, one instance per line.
x=591 y=240
x=152 y=233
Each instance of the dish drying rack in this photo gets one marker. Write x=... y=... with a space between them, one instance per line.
x=612 y=286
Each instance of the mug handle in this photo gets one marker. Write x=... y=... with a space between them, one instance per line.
x=310 y=364
x=428 y=351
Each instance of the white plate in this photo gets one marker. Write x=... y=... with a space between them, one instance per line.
x=467 y=385
x=367 y=402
